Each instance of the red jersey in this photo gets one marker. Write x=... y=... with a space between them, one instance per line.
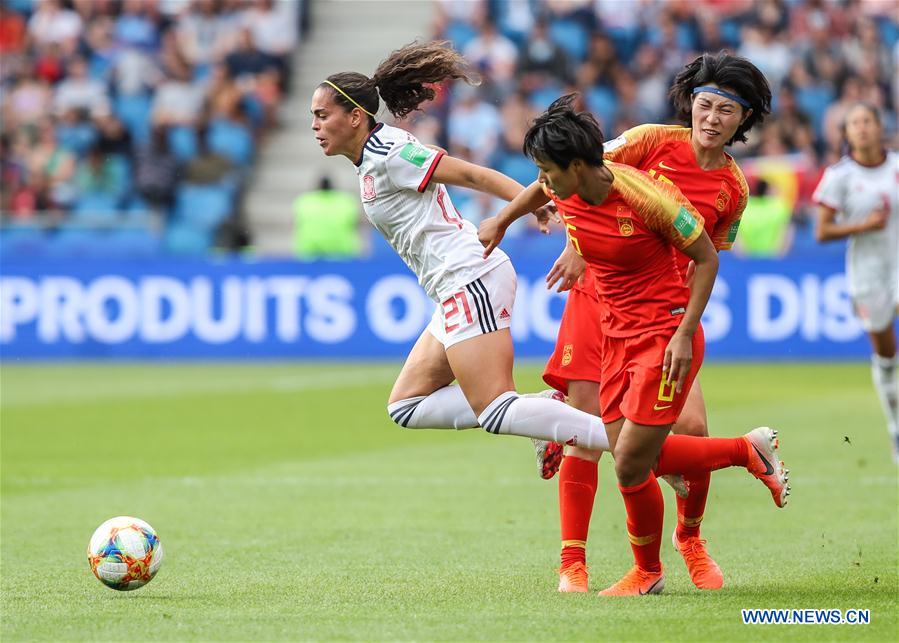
x=627 y=241
x=665 y=153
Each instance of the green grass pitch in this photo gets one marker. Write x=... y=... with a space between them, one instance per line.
x=290 y=507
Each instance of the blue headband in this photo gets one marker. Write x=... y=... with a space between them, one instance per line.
x=721 y=92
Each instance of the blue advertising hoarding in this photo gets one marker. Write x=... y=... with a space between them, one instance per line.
x=241 y=309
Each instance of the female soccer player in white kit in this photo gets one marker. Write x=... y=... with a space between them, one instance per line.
x=858 y=198
x=401 y=184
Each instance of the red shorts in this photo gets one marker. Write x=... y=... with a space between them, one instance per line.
x=578 y=352
x=632 y=384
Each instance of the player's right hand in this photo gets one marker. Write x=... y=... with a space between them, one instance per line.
x=490 y=233
x=567 y=270
x=877 y=219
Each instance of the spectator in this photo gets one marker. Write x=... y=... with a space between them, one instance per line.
x=473 y=126
x=136 y=27
x=29 y=100
x=205 y=35
x=247 y=61
x=156 y=171
x=274 y=30
x=53 y=24
x=177 y=100
x=207 y=167
x=327 y=224
x=12 y=31
x=100 y=178
x=494 y=55
x=79 y=92
x=52 y=166
x=542 y=60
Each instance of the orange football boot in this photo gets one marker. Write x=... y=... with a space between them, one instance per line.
x=637 y=582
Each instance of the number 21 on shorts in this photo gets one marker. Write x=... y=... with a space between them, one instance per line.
x=451 y=310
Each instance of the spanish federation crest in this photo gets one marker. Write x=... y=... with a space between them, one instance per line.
x=368 y=188
x=567 y=352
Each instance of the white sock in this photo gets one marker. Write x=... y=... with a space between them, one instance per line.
x=445 y=408
x=886 y=383
x=544 y=419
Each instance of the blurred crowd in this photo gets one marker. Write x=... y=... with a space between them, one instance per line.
x=112 y=107
x=820 y=56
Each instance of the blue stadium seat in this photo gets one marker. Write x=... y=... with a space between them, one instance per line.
x=133 y=242
x=519 y=167
x=203 y=206
x=232 y=140
x=542 y=98
x=96 y=207
x=603 y=102
x=184 y=239
x=134 y=112
x=77 y=138
x=183 y=142
x=460 y=33
x=571 y=37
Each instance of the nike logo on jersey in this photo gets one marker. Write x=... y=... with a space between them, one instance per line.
x=768 y=468
x=661 y=407
x=666 y=167
x=568 y=216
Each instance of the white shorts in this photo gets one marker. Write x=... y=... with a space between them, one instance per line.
x=483 y=306
x=876 y=309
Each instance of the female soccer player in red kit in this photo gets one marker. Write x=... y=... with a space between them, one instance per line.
x=626 y=225
x=722 y=97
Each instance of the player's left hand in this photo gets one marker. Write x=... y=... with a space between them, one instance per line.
x=545 y=215
x=567 y=270
x=678 y=357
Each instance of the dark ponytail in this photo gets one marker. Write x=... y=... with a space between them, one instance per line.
x=404 y=79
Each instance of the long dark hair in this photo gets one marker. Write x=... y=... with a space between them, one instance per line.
x=561 y=135
x=726 y=71
x=403 y=79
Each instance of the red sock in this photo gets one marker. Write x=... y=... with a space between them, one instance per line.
x=645 y=511
x=691 y=509
x=689 y=455
x=577 y=490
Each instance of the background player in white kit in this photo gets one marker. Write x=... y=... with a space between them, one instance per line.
x=402 y=188
x=858 y=198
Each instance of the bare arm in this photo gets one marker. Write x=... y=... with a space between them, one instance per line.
x=491 y=230
x=679 y=353
x=829 y=230
x=453 y=171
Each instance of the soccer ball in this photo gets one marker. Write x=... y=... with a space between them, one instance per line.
x=124 y=553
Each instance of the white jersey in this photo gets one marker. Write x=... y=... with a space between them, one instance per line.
x=416 y=216
x=854 y=191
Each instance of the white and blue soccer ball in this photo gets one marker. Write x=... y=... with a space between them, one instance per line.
x=124 y=553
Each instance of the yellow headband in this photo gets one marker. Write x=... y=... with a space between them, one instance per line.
x=347 y=96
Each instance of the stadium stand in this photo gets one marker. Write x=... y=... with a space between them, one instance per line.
x=113 y=109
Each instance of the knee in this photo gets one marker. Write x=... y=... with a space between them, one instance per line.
x=630 y=469
x=584 y=454
x=689 y=424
